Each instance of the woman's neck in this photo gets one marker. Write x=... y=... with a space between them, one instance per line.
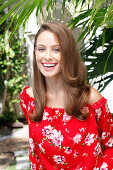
x=54 y=86
x=55 y=93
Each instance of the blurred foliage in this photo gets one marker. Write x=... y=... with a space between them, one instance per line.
x=91 y=14
x=99 y=60
x=12 y=69
x=96 y=33
x=87 y=15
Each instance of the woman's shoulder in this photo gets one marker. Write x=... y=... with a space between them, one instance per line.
x=29 y=91
x=94 y=96
x=27 y=101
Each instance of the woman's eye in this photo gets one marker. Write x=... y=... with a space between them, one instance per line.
x=41 y=49
x=56 y=49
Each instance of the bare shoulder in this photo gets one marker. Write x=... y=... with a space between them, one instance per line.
x=30 y=92
x=94 y=96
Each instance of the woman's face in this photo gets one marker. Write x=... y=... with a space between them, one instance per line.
x=48 y=54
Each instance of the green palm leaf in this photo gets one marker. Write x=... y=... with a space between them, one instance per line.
x=100 y=62
x=10 y=11
x=93 y=17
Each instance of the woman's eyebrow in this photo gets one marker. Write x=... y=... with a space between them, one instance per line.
x=50 y=46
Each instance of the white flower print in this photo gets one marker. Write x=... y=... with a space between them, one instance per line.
x=110 y=142
x=89 y=139
x=32 y=146
x=57 y=111
x=47 y=131
x=41 y=148
x=75 y=154
x=59 y=159
x=33 y=166
x=107 y=108
x=77 y=138
x=24 y=106
x=45 y=114
x=85 y=154
x=68 y=150
x=82 y=130
x=66 y=117
x=31 y=143
x=66 y=130
x=96 y=137
x=55 y=117
x=57 y=114
x=85 y=109
x=29 y=106
x=104 y=166
x=98 y=113
x=97 y=149
x=41 y=166
x=111 y=120
x=22 y=101
x=104 y=135
x=50 y=119
x=37 y=158
x=32 y=103
x=56 y=137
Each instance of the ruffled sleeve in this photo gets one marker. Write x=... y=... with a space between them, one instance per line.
x=27 y=103
x=105 y=127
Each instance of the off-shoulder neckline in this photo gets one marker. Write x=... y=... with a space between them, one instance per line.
x=24 y=90
x=95 y=105
x=98 y=103
x=32 y=98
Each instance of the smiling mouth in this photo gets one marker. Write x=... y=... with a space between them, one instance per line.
x=49 y=65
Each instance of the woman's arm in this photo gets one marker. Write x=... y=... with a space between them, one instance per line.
x=105 y=127
x=27 y=107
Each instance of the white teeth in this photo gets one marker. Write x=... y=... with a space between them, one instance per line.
x=49 y=65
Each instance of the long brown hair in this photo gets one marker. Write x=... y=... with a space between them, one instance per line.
x=73 y=73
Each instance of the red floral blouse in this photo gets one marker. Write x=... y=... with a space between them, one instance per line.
x=62 y=142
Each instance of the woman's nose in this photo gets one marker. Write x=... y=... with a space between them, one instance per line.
x=48 y=54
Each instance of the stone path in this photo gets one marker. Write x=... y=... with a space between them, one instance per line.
x=14 y=148
x=22 y=160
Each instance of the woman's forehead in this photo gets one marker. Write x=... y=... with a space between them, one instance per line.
x=47 y=38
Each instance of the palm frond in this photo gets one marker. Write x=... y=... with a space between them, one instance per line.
x=7 y=4
x=95 y=10
x=99 y=63
x=88 y=15
x=106 y=63
x=108 y=19
x=10 y=11
x=83 y=20
x=20 y=11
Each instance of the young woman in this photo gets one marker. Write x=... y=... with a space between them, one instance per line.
x=70 y=125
